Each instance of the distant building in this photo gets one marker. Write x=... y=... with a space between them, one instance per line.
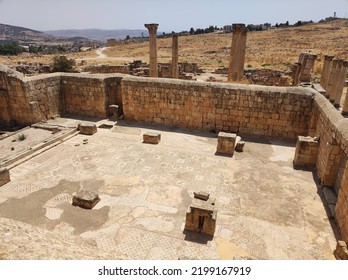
x=228 y=28
x=111 y=42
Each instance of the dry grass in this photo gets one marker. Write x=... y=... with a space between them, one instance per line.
x=275 y=48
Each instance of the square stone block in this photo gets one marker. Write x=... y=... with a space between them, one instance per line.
x=306 y=152
x=226 y=143
x=4 y=176
x=201 y=215
x=151 y=138
x=87 y=128
x=85 y=199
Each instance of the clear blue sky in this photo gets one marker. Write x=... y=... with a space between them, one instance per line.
x=175 y=15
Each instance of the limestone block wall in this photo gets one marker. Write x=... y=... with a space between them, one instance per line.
x=24 y=101
x=83 y=95
x=89 y=95
x=269 y=111
x=43 y=96
x=332 y=163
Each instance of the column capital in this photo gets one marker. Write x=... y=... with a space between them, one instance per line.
x=239 y=28
x=152 y=27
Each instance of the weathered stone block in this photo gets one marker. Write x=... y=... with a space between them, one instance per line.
x=151 y=138
x=226 y=143
x=85 y=199
x=4 y=176
x=306 y=152
x=201 y=216
x=240 y=146
x=88 y=128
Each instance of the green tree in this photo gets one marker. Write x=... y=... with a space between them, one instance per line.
x=62 y=64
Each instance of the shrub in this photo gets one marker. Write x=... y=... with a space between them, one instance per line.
x=21 y=137
x=62 y=64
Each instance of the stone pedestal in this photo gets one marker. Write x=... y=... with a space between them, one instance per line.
x=306 y=152
x=237 y=55
x=4 y=176
x=175 y=57
x=87 y=128
x=226 y=143
x=152 y=27
x=151 y=138
x=85 y=199
x=201 y=216
x=325 y=74
x=240 y=146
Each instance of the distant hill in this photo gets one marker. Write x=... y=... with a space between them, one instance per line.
x=24 y=35
x=99 y=34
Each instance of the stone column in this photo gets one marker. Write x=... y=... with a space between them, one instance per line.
x=237 y=55
x=332 y=82
x=341 y=79
x=345 y=105
x=152 y=27
x=175 y=57
x=307 y=62
x=325 y=74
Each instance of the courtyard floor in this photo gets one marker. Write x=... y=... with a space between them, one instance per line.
x=266 y=209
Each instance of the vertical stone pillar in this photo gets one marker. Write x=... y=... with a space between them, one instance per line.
x=175 y=57
x=237 y=55
x=307 y=62
x=341 y=79
x=345 y=105
x=325 y=74
x=152 y=27
x=295 y=69
x=332 y=82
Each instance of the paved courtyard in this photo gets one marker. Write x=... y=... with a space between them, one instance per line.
x=266 y=209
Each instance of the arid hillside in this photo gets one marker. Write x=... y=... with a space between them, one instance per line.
x=275 y=48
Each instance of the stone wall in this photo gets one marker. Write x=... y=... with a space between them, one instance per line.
x=26 y=100
x=246 y=109
x=269 y=111
x=332 y=163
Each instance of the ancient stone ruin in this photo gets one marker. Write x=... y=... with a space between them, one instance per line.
x=304 y=113
x=201 y=215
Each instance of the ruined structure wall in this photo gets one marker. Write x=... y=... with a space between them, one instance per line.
x=269 y=111
x=83 y=95
x=332 y=164
x=26 y=100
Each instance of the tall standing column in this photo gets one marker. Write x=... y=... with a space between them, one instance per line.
x=175 y=57
x=152 y=27
x=332 y=82
x=325 y=74
x=341 y=79
x=307 y=62
x=345 y=105
x=237 y=56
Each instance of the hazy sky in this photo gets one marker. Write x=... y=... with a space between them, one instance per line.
x=175 y=15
